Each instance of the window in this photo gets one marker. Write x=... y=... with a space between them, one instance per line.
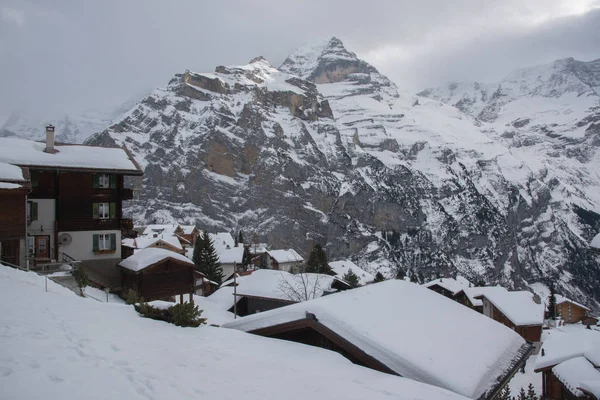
x=104 y=242
x=104 y=181
x=103 y=211
x=32 y=211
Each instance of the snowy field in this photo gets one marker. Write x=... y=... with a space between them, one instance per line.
x=56 y=345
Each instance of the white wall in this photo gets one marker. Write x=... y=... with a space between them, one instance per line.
x=227 y=270
x=44 y=225
x=82 y=248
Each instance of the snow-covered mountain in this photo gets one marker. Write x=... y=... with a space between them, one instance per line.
x=325 y=149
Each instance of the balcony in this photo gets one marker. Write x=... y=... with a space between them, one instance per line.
x=126 y=223
x=126 y=194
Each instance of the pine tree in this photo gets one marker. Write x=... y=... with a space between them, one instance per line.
x=240 y=238
x=400 y=274
x=379 y=277
x=414 y=278
x=531 y=395
x=317 y=261
x=206 y=259
x=246 y=258
x=552 y=302
x=351 y=278
x=522 y=395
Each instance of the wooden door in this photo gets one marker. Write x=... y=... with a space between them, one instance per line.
x=9 y=251
x=42 y=247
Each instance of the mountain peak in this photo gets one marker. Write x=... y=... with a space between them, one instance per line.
x=326 y=61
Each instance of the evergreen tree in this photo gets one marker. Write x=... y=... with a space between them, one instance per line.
x=531 y=395
x=235 y=240
x=351 y=278
x=480 y=283
x=246 y=258
x=414 y=278
x=522 y=395
x=505 y=394
x=240 y=237
x=400 y=274
x=379 y=277
x=317 y=261
x=552 y=302
x=206 y=259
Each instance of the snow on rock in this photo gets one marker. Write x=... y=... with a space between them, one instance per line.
x=596 y=242
x=455 y=334
x=342 y=267
x=58 y=345
x=29 y=153
x=149 y=256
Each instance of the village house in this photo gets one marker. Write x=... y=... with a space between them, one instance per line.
x=74 y=208
x=521 y=311
x=570 y=365
x=158 y=274
x=204 y=286
x=570 y=311
x=342 y=267
x=231 y=260
x=186 y=234
x=471 y=297
x=265 y=289
x=462 y=351
x=284 y=260
x=14 y=187
x=448 y=287
x=171 y=243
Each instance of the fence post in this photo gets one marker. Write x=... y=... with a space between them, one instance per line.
x=46 y=283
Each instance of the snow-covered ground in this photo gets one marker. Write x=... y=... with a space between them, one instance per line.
x=56 y=345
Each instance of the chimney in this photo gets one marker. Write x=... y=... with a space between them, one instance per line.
x=50 y=140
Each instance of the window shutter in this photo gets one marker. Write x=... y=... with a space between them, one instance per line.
x=113 y=241
x=95 y=210
x=34 y=211
x=113 y=210
x=96 y=181
x=35 y=178
x=113 y=181
x=95 y=242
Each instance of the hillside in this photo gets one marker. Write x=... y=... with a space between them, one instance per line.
x=58 y=345
x=324 y=149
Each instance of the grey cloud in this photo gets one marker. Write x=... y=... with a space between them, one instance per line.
x=80 y=53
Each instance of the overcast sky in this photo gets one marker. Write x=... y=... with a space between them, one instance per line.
x=97 y=54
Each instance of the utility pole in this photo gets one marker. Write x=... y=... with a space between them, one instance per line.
x=234 y=290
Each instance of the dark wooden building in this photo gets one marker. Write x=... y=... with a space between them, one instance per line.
x=158 y=274
x=14 y=187
x=74 y=208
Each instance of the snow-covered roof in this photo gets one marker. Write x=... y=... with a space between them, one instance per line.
x=343 y=266
x=474 y=292
x=562 y=346
x=29 y=153
x=596 y=241
x=187 y=229
x=561 y=299
x=450 y=284
x=141 y=242
x=11 y=173
x=281 y=285
x=160 y=229
x=425 y=341
x=222 y=241
x=271 y=368
x=128 y=242
x=579 y=373
x=519 y=307
x=149 y=256
x=233 y=255
x=285 y=256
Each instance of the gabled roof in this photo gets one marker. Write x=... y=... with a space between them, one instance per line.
x=222 y=241
x=519 y=307
x=233 y=255
x=160 y=229
x=434 y=340
x=562 y=346
x=342 y=267
x=79 y=157
x=561 y=299
x=473 y=292
x=578 y=375
x=142 y=242
x=452 y=285
x=285 y=256
x=150 y=256
x=187 y=229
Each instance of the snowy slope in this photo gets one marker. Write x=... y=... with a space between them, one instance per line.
x=57 y=345
x=325 y=149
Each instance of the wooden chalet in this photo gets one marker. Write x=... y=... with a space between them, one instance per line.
x=570 y=366
x=204 y=286
x=189 y=233
x=284 y=260
x=14 y=187
x=521 y=311
x=74 y=208
x=365 y=326
x=570 y=311
x=471 y=297
x=448 y=287
x=158 y=274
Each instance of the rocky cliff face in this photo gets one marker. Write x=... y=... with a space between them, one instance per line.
x=324 y=149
